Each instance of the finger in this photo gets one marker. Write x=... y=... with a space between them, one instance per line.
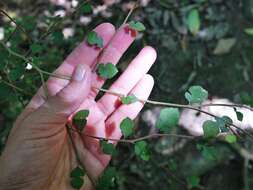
x=112 y=54
x=83 y=54
x=135 y=71
x=142 y=90
x=58 y=108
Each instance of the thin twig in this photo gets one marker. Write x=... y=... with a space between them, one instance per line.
x=229 y=105
x=17 y=25
x=78 y=159
x=15 y=87
x=130 y=12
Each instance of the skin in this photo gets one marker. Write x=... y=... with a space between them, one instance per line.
x=39 y=154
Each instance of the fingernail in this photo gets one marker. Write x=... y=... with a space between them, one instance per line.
x=79 y=73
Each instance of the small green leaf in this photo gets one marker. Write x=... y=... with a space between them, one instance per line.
x=193 y=181
x=138 y=26
x=77 y=172
x=231 y=138
x=129 y=99
x=168 y=118
x=94 y=39
x=86 y=8
x=193 y=21
x=77 y=182
x=249 y=31
x=211 y=129
x=224 y=122
x=107 y=180
x=141 y=150
x=196 y=95
x=107 y=148
x=239 y=115
x=107 y=71
x=127 y=127
x=80 y=119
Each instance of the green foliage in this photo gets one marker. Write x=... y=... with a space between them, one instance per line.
x=141 y=150
x=239 y=114
x=224 y=46
x=168 y=119
x=86 y=8
x=94 y=39
x=77 y=182
x=196 y=95
x=107 y=71
x=76 y=176
x=80 y=119
x=138 y=26
x=249 y=31
x=129 y=99
x=77 y=172
x=193 y=21
x=107 y=148
x=127 y=127
x=231 y=138
x=211 y=129
x=224 y=122
x=208 y=152
x=193 y=181
x=108 y=179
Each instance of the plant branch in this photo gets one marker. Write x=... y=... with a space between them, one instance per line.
x=17 y=25
x=157 y=103
x=130 y=12
x=78 y=159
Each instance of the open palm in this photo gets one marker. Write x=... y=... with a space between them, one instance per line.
x=39 y=154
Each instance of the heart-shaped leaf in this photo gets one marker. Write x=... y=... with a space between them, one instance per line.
x=196 y=95
x=129 y=99
x=127 y=127
x=94 y=39
x=107 y=71
x=80 y=119
x=138 y=26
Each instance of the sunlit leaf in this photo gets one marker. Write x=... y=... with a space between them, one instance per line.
x=231 y=138
x=193 y=21
x=196 y=95
x=138 y=26
x=249 y=31
x=224 y=46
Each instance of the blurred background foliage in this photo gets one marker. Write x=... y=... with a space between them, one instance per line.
x=219 y=57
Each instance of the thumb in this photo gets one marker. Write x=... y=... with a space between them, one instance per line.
x=58 y=108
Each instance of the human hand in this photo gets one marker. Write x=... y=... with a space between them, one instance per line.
x=38 y=154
